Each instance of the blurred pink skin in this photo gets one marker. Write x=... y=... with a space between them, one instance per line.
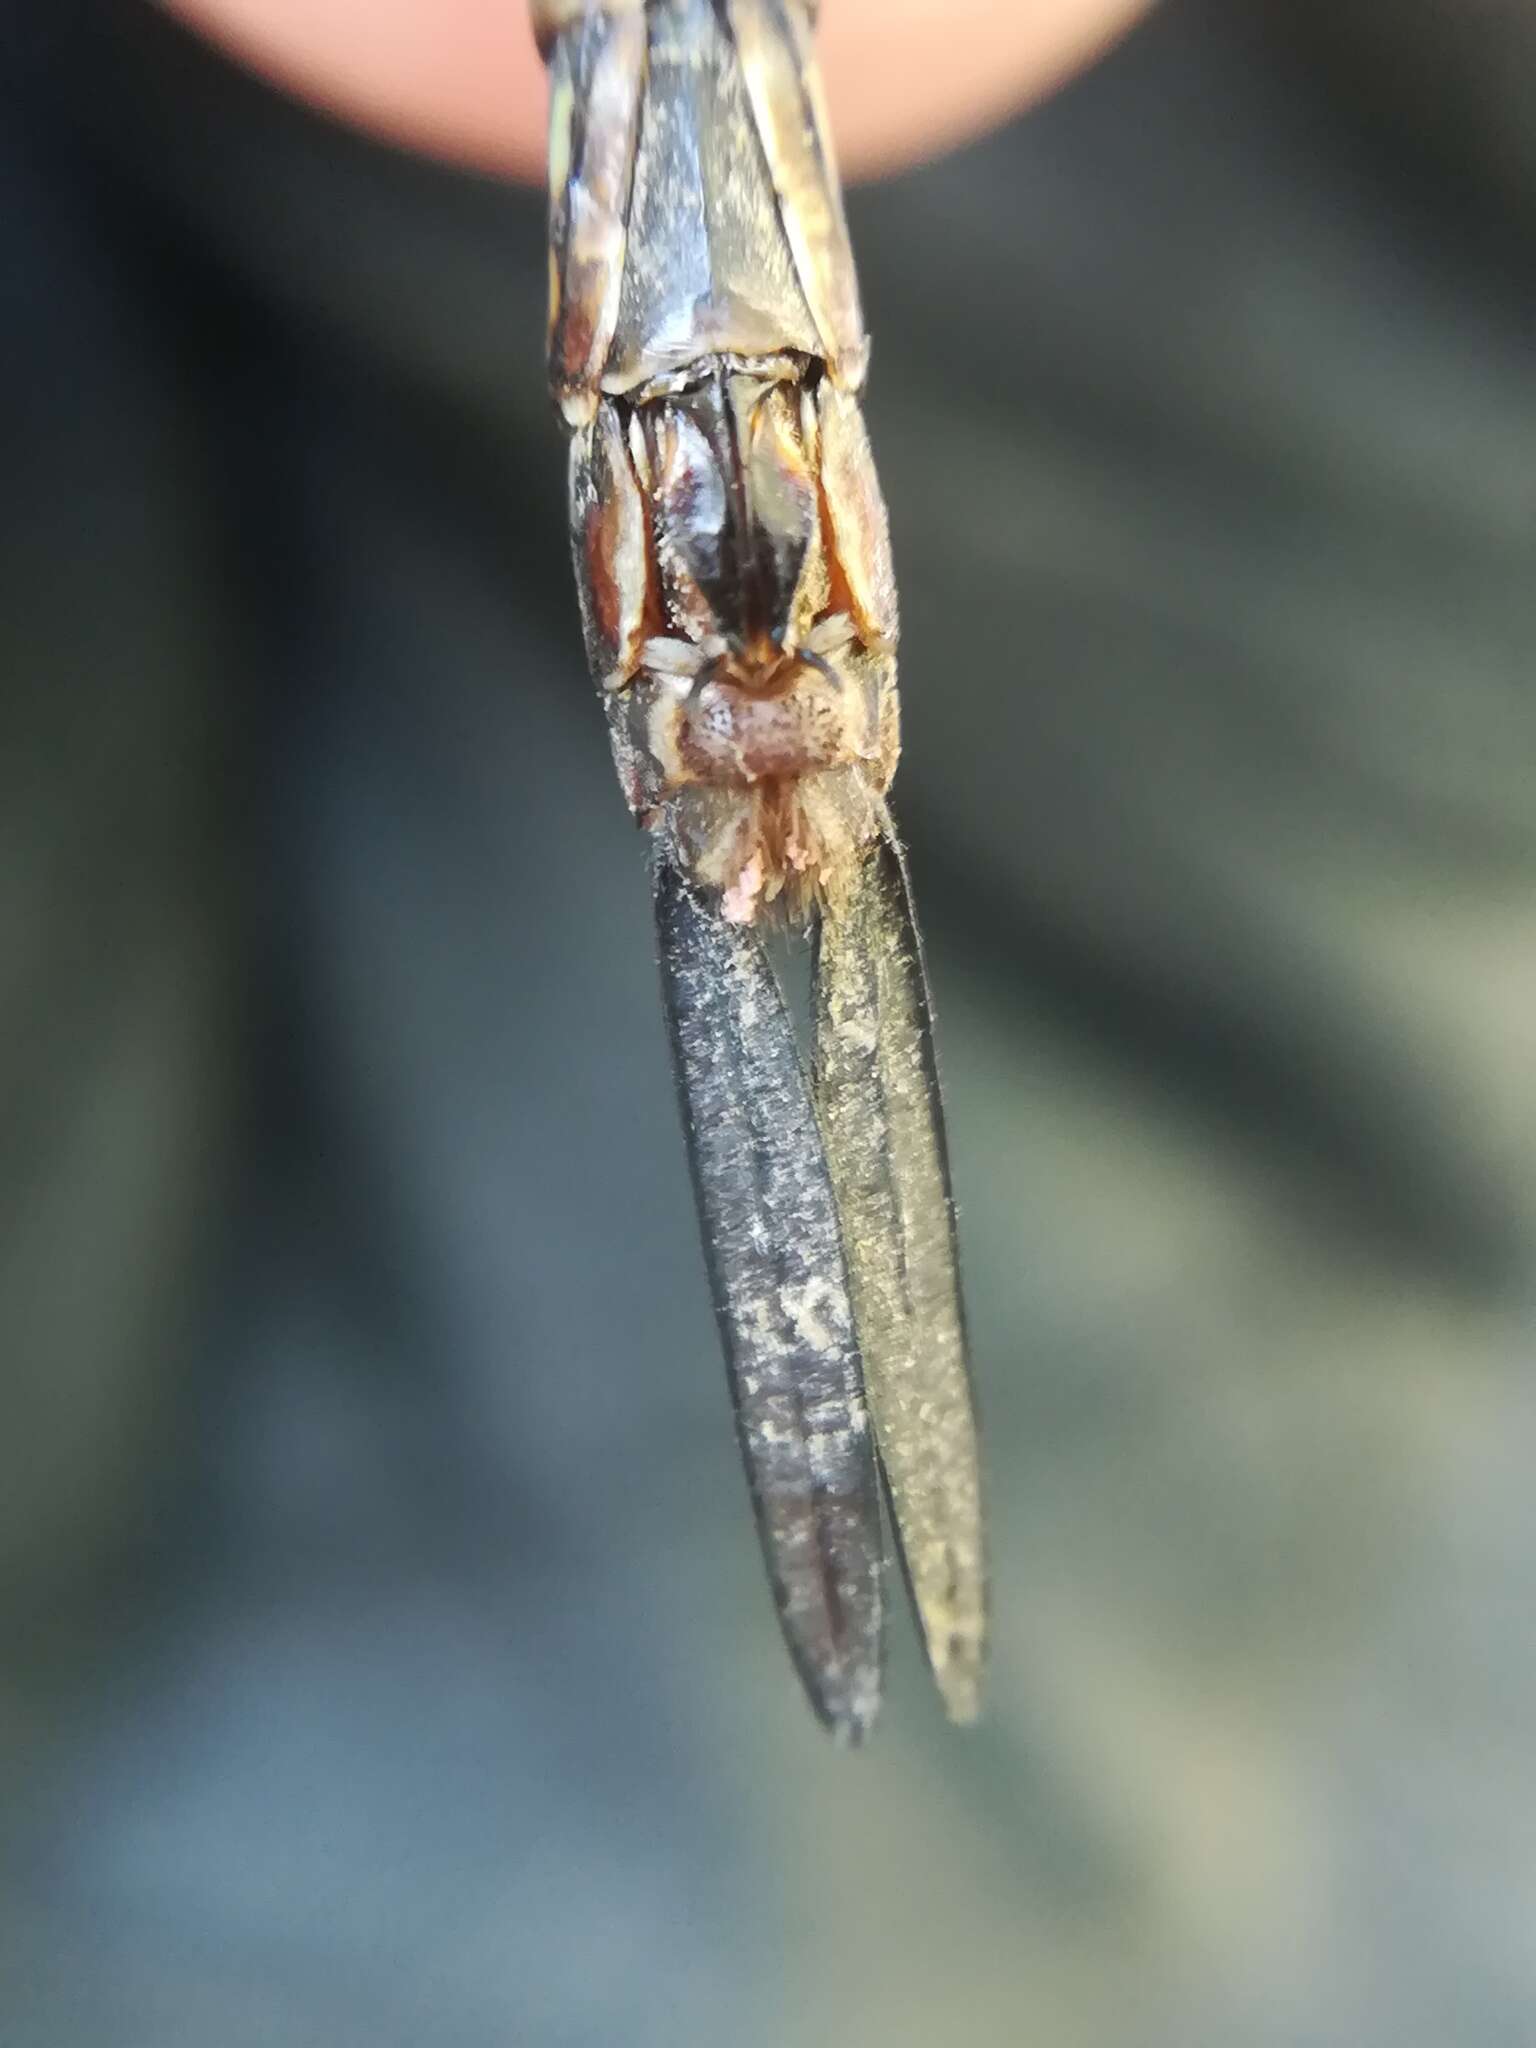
x=460 y=78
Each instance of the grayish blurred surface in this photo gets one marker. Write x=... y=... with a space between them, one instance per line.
x=386 y=1655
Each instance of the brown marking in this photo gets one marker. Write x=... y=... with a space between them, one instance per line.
x=613 y=567
x=863 y=576
x=602 y=584
x=592 y=157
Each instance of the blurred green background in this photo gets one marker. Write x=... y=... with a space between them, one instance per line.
x=386 y=1657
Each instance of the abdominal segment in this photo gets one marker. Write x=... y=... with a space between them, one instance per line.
x=739 y=611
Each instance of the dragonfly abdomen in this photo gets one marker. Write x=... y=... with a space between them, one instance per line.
x=730 y=537
x=739 y=606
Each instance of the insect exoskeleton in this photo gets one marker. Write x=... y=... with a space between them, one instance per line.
x=706 y=351
x=739 y=602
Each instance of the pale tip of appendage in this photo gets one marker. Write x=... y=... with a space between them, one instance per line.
x=959 y=1685
x=851 y=1729
x=850 y=1713
x=578 y=403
